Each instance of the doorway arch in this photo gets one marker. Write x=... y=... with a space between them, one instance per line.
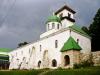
x=39 y=64
x=66 y=60
x=54 y=63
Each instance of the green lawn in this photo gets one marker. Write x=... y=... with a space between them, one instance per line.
x=21 y=72
x=83 y=71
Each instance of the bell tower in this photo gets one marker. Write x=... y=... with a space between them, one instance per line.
x=66 y=15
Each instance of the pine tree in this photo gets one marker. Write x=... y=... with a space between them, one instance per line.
x=94 y=30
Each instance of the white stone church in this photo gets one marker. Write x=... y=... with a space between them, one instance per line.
x=60 y=46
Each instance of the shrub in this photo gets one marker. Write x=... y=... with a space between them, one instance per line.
x=84 y=64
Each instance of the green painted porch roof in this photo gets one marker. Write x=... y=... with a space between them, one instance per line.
x=71 y=44
x=5 y=50
x=79 y=30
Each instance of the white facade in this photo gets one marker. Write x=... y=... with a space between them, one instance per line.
x=46 y=52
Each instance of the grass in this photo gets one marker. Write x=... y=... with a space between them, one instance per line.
x=21 y=72
x=82 y=71
x=75 y=72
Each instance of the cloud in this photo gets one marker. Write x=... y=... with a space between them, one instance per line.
x=26 y=19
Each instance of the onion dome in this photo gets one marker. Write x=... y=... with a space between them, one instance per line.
x=53 y=18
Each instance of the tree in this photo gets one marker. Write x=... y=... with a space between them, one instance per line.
x=94 y=31
x=85 y=29
x=22 y=44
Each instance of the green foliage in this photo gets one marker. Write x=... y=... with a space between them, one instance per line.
x=20 y=72
x=94 y=31
x=85 y=29
x=74 y=72
x=22 y=44
x=83 y=64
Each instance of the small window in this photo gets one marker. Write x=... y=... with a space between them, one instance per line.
x=77 y=40
x=39 y=64
x=61 y=15
x=29 y=51
x=58 y=26
x=54 y=63
x=56 y=43
x=40 y=48
x=53 y=25
x=48 y=26
x=69 y=15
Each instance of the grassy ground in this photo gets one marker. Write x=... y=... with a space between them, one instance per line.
x=21 y=72
x=82 y=71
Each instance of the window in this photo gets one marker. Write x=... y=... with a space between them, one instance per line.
x=48 y=26
x=61 y=15
x=56 y=43
x=40 y=48
x=39 y=64
x=77 y=40
x=58 y=26
x=69 y=15
x=21 y=52
x=53 y=25
x=67 y=60
x=54 y=63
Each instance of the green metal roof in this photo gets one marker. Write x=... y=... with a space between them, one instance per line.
x=5 y=50
x=71 y=44
x=4 y=57
x=53 y=18
x=79 y=30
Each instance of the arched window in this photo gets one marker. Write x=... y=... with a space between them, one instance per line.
x=39 y=63
x=56 y=43
x=53 y=25
x=61 y=15
x=66 y=60
x=40 y=48
x=77 y=40
x=48 y=26
x=54 y=63
x=58 y=26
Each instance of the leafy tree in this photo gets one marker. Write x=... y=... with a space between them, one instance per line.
x=22 y=44
x=94 y=30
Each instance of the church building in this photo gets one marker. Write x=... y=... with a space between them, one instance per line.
x=60 y=46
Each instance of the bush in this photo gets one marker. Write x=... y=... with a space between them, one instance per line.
x=84 y=64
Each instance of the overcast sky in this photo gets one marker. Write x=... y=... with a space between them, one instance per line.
x=24 y=20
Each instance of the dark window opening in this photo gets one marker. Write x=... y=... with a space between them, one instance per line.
x=53 y=25
x=56 y=43
x=67 y=60
x=39 y=63
x=58 y=26
x=40 y=48
x=69 y=15
x=54 y=63
x=61 y=15
x=77 y=40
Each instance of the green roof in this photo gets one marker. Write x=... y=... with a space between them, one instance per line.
x=4 y=57
x=5 y=50
x=53 y=18
x=71 y=44
x=79 y=30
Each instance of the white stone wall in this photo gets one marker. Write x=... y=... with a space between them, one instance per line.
x=84 y=42
x=33 y=56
